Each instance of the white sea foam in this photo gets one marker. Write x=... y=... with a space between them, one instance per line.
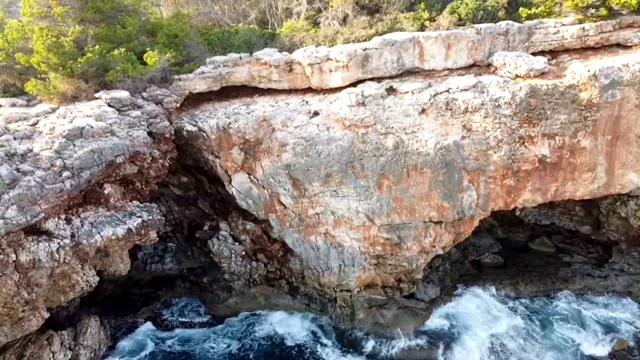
x=483 y=325
x=479 y=324
x=185 y=310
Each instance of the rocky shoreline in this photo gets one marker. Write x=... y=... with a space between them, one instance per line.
x=338 y=181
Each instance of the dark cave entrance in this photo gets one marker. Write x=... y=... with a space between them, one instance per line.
x=584 y=246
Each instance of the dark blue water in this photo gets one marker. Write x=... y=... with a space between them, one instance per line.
x=479 y=324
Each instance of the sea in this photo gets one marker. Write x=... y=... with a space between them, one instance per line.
x=479 y=323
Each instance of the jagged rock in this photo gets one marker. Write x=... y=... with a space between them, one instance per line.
x=393 y=54
x=60 y=262
x=231 y=257
x=517 y=64
x=71 y=182
x=491 y=260
x=86 y=341
x=543 y=245
x=57 y=156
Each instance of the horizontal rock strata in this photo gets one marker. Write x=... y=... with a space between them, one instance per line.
x=393 y=54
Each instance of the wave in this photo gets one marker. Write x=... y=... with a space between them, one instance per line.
x=481 y=324
x=478 y=324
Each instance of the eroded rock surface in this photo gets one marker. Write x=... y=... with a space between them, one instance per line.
x=73 y=182
x=86 y=341
x=368 y=184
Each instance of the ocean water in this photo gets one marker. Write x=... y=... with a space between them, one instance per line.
x=478 y=324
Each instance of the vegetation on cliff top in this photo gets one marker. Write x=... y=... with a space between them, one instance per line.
x=62 y=50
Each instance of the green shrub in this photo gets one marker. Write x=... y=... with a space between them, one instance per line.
x=96 y=45
x=577 y=5
x=631 y=5
x=477 y=11
x=13 y=75
x=299 y=34
x=237 y=39
x=427 y=12
x=539 y=9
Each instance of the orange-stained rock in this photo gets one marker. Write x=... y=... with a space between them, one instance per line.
x=366 y=185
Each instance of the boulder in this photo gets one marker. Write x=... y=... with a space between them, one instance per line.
x=543 y=245
x=518 y=64
x=117 y=99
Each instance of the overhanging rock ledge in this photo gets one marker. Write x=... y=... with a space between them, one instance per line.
x=368 y=183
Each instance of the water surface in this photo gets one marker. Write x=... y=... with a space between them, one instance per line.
x=478 y=324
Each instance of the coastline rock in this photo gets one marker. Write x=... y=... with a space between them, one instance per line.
x=352 y=198
x=86 y=341
x=366 y=185
x=54 y=157
x=74 y=182
x=47 y=270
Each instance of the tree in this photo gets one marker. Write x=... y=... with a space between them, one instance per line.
x=74 y=49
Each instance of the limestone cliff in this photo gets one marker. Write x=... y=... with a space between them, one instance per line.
x=335 y=174
x=368 y=183
x=73 y=187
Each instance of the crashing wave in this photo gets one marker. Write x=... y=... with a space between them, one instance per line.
x=479 y=324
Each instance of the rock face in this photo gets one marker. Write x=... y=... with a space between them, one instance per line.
x=72 y=183
x=340 y=196
x=367 y=184
x=87 y=341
